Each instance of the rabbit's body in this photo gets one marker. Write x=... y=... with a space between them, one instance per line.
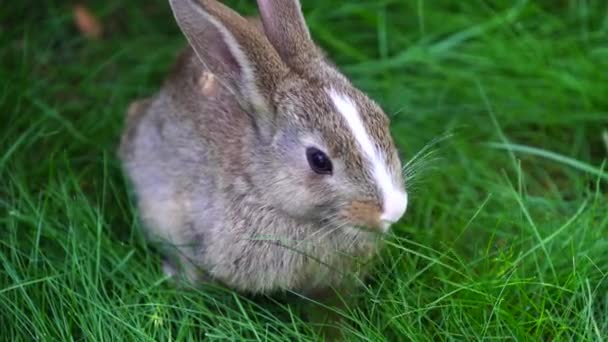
x=223 y=229
x=224 y=184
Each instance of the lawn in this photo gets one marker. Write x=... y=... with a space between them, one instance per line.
x=501 y=105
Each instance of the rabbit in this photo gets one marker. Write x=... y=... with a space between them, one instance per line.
x=258 y=165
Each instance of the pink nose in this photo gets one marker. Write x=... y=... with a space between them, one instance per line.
x=394 y=207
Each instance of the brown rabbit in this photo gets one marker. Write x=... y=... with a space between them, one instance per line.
x=258 y=164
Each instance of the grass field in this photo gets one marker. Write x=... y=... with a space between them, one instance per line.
x=507 y=233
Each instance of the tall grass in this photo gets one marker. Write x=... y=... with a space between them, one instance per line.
x=506 y=236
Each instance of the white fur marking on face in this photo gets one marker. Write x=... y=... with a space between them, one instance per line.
x=394 y=200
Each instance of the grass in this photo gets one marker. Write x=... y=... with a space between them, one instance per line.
x=506 y=236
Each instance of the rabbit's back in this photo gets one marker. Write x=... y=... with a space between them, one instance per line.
x=171 y=165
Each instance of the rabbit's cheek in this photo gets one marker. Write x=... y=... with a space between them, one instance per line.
x=365 y=213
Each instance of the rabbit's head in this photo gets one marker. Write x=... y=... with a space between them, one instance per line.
x=323 y=152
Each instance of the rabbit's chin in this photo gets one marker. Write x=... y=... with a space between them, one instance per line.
x=365 y=232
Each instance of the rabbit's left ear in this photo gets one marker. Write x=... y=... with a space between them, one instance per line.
x=234 y=50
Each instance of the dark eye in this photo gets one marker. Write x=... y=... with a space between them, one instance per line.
x=319 y=162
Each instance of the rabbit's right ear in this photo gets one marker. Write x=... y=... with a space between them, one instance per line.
x=286 y=30
x=232 y=49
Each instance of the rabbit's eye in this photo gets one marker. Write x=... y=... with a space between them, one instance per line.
x=319 y=162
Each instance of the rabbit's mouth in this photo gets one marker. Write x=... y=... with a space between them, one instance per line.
x=366 y=216
x=369 y=230
x=351 y=228
x=345 y=223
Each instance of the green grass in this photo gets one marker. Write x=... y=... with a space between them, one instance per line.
x=506 y=236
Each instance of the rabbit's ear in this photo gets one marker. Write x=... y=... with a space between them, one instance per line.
x=231 y=48
x=286 y=29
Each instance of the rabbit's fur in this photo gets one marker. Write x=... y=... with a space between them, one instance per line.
x=218 y=164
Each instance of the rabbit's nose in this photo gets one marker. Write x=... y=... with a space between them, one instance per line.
x=393 y=208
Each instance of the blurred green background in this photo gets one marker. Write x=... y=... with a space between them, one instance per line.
x=504 y=103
